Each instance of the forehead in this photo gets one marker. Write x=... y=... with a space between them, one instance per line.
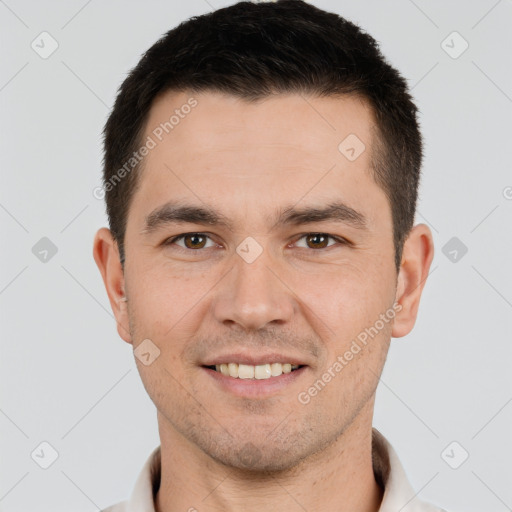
x=310 y=124
x=239 y=156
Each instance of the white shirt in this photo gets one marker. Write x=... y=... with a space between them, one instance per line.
x=388 y=470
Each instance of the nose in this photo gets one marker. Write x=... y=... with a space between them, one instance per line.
x=254 y=294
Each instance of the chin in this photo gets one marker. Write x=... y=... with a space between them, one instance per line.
x=252 y=459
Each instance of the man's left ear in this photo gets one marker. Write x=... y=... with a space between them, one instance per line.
x=417 y=256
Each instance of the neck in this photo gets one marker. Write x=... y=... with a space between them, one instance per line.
x=340 y=478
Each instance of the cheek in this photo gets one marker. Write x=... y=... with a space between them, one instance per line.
x=347 y=298
x=169 y=302
x=162 y=297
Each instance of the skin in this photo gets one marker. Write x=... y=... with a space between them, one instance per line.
x=225 y=452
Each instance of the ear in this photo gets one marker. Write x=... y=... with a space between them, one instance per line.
x=106 y=255
x=417 y=256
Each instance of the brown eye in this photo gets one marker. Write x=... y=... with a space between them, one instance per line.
x=318 y=240
x=192 y=241
x=196 y=241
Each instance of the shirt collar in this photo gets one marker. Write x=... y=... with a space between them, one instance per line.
x=388 y=470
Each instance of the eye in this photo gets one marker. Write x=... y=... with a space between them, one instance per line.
x=319 y=240
x=191 y=240
x=195 y=241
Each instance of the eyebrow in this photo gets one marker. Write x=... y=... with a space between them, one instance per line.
x=179 y=213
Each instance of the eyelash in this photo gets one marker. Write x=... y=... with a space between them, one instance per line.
x=170 y=241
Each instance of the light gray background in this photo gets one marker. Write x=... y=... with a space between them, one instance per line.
x=66 y=376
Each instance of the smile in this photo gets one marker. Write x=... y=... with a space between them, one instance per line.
x=247 y=371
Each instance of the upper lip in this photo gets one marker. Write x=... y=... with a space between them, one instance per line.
x=255 y=359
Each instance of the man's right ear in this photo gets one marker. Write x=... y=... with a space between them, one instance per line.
x=106 y=255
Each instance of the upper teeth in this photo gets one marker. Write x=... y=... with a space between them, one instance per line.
x=248 y=371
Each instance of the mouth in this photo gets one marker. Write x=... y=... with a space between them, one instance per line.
x=254 y=372
x=256 y=382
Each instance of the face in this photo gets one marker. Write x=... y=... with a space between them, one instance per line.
x=264 y=278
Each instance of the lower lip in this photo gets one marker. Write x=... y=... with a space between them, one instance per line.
x=255 y=388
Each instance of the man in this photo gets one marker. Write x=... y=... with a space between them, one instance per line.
x=261 y=172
